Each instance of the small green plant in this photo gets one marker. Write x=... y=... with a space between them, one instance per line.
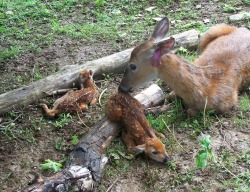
x=171 y=165
x=99 y=3
x=59 y=144
x=229 y=9
x=9 y=132
x=63 y=120
x=182 y=50
x=247 y=2
x=204 y=154
x=75 y=139
x=244 y=103
x=52 y=165
x=9 y=53
x=38 y=76
x=245 y=157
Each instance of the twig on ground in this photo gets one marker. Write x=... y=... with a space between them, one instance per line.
x=156 y=110
x=174 y=136
x=101 y=96
x=112 y=185
x=4 y=124
x=82 y=121
x=229 y=171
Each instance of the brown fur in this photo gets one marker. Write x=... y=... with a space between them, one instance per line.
x=212 y=80
x=138 y=134
x=74 y=101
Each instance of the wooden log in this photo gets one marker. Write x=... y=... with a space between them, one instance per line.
x=85 y=166
x=63 y=79
x=239 y=17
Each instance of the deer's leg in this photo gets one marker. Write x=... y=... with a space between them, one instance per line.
x=93 y=102
x=129 y=142
x=83 y=106
x=49 y=112
x=158 y=134
x=171 y=96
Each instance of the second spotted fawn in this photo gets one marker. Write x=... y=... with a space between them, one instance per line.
x=212 y=81
x=138 y=135
x=78 y=100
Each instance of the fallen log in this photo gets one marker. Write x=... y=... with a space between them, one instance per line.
x=64 y=79
x=84 y=168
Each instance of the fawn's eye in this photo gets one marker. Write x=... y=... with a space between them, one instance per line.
x=155 y=152
x=132 y=66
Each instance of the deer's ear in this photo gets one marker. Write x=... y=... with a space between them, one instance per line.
x=161 y=29
x=138 y=149
x=162 y=48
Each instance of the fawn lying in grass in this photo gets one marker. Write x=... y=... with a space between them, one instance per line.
x=138 y=134
x=78 y=100
x=212 y=81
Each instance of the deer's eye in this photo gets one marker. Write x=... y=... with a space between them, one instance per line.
x=132 y=66
x=155 y=152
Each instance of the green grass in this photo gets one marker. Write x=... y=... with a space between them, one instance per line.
x=34 y=24
x=26 y=132
x=62 y=120
x=244 y=103
x=244 y=106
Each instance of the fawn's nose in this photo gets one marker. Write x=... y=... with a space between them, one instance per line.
x=166 y=159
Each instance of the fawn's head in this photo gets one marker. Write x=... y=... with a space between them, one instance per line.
x=85 y=75
x=154 y=149
x=145 y=58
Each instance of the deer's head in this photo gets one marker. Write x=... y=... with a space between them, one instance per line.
x=85 y=77
x=145 y=60
x=154 y=149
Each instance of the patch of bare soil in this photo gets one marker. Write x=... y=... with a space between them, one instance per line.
x=31 y=139
x=63 y=53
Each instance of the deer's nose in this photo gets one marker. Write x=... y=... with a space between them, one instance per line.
x=124 y=89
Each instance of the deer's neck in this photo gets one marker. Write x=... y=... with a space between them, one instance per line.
x=184 y=78
x=89 y=84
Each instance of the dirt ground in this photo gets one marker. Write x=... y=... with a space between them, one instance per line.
x=27 y=138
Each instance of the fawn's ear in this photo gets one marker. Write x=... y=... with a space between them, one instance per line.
x=90 y=73
x=138 y=149
x=161 y=29
x=161 y=48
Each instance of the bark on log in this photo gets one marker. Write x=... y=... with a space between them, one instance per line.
x=86 y=163
x=115 y=63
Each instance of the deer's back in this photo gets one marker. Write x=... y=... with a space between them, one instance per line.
x=229 y=53
x=123 y=107
x=71 y=100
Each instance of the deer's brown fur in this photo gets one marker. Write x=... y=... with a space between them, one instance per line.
x=138 y=135
x=74 y=101
x=212 y=81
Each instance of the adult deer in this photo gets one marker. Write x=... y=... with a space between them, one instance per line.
x=212 y=81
